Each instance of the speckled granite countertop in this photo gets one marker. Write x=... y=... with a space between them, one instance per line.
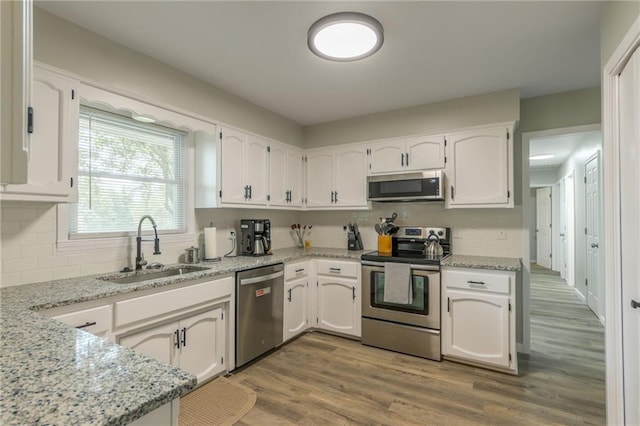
x=51 y=373
x=484 y=262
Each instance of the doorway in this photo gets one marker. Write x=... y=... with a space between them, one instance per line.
x=593 y=283
x=543 y=227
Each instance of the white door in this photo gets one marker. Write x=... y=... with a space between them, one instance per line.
x=592 y=222
x=296 y=307
x=202 y=344
x=338 y=301
x=470 y=316
x=295 y=176
x=232 y=166
x=386 y=157
x=479 y=169
x=256 y=170
x=562 y=229
x=320 y=178
x=350 y=179
x=425 y=152
x=629 y=90
x=543 y=227
x=278 y=185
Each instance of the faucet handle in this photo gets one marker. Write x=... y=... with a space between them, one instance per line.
x=156 y=246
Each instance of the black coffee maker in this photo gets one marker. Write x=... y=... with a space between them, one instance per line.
x=256 y=237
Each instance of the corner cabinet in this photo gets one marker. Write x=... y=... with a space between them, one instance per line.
x=338 y=296
x=479 y=169
x=478 y=318
x=53 y=145
x=286 y=175
x=337 y=177
x=407 y=155
x=244 y=169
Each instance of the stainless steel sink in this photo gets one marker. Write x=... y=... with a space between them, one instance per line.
x=147 y=276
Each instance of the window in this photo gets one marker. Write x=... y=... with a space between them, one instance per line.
x=127 y=169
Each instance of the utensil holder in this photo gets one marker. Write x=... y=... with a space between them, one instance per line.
x=384 y=243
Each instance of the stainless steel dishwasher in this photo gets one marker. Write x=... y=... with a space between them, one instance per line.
x=259 y=305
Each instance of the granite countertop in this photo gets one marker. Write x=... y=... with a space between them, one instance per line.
x=51 y=373
x=483 y=262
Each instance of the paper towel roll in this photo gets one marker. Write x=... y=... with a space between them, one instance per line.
x=210 y=247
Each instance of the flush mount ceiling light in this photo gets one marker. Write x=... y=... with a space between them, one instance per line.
x=345 y=36
x=541 y=157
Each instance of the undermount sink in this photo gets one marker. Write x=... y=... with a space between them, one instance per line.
x=147 y=276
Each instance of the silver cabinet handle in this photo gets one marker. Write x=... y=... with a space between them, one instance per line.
x=407 y=161
x=402 y=159
x=594 y=245
x=336 y=196
x=476 y=282
x=453 y=197
x=335 y=270
x=332 y=196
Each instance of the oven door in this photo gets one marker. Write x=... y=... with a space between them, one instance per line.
x=423 y=311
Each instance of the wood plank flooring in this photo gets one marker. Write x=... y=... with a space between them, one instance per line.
x=319 y=379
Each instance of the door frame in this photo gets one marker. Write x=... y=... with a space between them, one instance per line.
x=525 y=235
x=550 y=247
x=613 y=270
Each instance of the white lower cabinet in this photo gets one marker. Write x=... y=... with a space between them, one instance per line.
x=296 y=307
x=478 y=317
x=96 y=320
x=338 y=296
x=195 y=344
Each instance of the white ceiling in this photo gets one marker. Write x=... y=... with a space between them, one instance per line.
x=432 y=51
x=561 y=146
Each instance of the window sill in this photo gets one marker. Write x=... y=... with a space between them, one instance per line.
x=118 y=243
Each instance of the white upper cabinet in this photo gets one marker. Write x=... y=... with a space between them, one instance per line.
x=480 y=168
x=336 y=177
x=16 y=56
x=243 y=168
x=406 y=155
x=53 y=144
x=285 y=175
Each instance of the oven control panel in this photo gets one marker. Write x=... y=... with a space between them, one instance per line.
x=422 y=232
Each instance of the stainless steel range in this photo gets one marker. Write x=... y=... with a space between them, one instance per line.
x=401 y=293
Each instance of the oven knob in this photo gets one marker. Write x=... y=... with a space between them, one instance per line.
x=440 y=233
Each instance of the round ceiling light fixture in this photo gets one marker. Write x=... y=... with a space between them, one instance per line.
x=541 y=157
x=345 y=36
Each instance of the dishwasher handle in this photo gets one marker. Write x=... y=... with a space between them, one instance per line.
x=261 y=278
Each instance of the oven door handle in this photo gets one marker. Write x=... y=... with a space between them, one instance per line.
x=413 y=266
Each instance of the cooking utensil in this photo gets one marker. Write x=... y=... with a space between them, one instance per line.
x=433 y=247
x=393 y=230
x=192 y=255
x=378 y=228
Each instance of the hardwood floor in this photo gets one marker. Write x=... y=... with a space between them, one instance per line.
x=322 y=379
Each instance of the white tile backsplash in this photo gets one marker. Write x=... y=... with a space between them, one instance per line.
x=29 y=254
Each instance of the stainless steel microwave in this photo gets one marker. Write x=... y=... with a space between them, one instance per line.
x=418 y=186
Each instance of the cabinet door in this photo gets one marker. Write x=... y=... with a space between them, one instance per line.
x=350 y=179
x=232 y=166
x=53 y=145
x=479 y=168
x=158 y=342
x=319 y=178
x=278 y=179
x=338 y=305
x=476 y=327
x=296 y=307
x=295 y=176
x=256 y=170
x=425 y=152
x=203 y=344
x=386 y=157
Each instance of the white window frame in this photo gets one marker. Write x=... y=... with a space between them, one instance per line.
x=107 y=100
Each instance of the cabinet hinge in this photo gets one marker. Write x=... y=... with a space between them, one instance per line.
x=586 y=282
x=220 y=193
x=509 y=356
x=220 y=135
x=507 y=135
x=268 y=148
x=508 y=194
x=73 y=94
x=222 y=315
x=71 y=183
x=268 y=197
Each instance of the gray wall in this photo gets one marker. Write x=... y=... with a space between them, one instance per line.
x=60 y=43
x=617 y=17
x=560 y=110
